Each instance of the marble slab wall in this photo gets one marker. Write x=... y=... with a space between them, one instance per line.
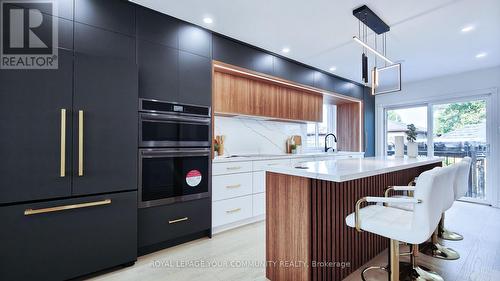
x=254 y=136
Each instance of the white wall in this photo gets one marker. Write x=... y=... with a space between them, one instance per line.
x=463 y=85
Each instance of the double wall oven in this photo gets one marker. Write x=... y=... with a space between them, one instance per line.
x=174 y=152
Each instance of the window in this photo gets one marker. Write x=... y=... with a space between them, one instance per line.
x=316 y=132
x=397 y=121
x=452 y=130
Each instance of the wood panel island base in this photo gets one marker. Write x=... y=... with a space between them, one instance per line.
x=306 y=234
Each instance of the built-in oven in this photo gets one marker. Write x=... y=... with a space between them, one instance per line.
x=167 y=124
x=168 y=175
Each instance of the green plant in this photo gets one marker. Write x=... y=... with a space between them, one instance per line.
x=216 y=146
x=456 y=115
x=411 y=133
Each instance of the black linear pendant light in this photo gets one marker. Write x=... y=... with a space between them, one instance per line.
x=368 y=19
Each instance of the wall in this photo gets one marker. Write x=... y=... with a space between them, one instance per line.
x=254 y=136
x=457 y=86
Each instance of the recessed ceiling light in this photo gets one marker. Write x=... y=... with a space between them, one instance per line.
x=208 y=20
x=481 y=55
x=468 y=28
x=333 y=68
x=285 y=50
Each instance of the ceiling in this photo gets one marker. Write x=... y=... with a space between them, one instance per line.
x=425 y=35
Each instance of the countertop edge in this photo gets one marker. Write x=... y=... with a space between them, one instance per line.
x=289 y=170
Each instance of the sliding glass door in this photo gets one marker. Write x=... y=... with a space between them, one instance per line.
x=459 y=130
x=452 y=129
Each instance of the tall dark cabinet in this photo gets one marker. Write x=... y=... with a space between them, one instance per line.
x=105 y=104
x=68 y=196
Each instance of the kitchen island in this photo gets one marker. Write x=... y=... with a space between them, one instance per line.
x=306 y=204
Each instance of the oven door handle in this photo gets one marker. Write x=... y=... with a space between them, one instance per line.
x=163 y=117
x=173 y=153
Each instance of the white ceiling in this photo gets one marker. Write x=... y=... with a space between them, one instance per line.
x=425 y=35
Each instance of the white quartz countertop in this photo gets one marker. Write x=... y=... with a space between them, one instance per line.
x=350 y=169
x=256 y=157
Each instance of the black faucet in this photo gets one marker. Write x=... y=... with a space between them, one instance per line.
x=326 y=138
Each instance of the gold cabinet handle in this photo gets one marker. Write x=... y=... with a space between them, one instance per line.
x=80 y=143
x=29 y=212
x=233 y=168
x=178 y=220
x=233 y=210
x=233 y=186
x=62 y=171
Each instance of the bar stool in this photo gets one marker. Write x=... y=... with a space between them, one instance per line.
x=460 y=188
x=433 y=247
x=403 y=226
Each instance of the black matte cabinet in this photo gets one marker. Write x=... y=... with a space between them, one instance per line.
x=105 y=115
x=294 y=72
x=113 y=15
x=195 y=40
x=195 y=79
x=31 y=105
x=163 y=223
x=156 y=27
x=65 y=244
x=232 y=52
x=158 y=71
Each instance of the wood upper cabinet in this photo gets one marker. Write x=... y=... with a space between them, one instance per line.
x=235 y=94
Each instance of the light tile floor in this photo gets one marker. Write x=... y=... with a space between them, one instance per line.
x=480 y=253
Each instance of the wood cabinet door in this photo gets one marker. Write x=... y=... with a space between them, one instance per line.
x=232 y=94
x=106 y=130
x=31 y=132
x=241 y=95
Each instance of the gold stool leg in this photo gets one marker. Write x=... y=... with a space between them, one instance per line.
x=393 y=267
x=446 y=234
x=413 y=272
x=394 y=260
x=434 y=249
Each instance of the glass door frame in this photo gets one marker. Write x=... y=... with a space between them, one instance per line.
x=406 y=106
x=491 y=100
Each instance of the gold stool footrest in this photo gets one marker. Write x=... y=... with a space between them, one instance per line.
x=450 y=235
x=416 y=273
x=371 y=268
x=439 y=251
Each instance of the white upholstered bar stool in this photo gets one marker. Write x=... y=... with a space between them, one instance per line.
x=460 y=188
x=403 y=226
x=433 y=247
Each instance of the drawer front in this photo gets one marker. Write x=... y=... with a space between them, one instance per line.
x=230 y=186
x=259 y=181
x=231 y=168
x=231 y=210
x=259 y=204
x=163 y=223
x=63 y=239
x=261 y=165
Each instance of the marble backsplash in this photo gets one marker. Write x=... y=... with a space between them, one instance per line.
x=254 y=136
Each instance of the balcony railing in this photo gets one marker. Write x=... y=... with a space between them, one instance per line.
x=453 y=153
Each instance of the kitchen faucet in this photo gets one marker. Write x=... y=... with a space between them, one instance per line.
x=326 y=138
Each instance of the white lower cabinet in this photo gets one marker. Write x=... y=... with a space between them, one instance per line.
x=230 y=186
x=239 y=189
x=259 y=181
x=259 y=204
x=231 y=210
